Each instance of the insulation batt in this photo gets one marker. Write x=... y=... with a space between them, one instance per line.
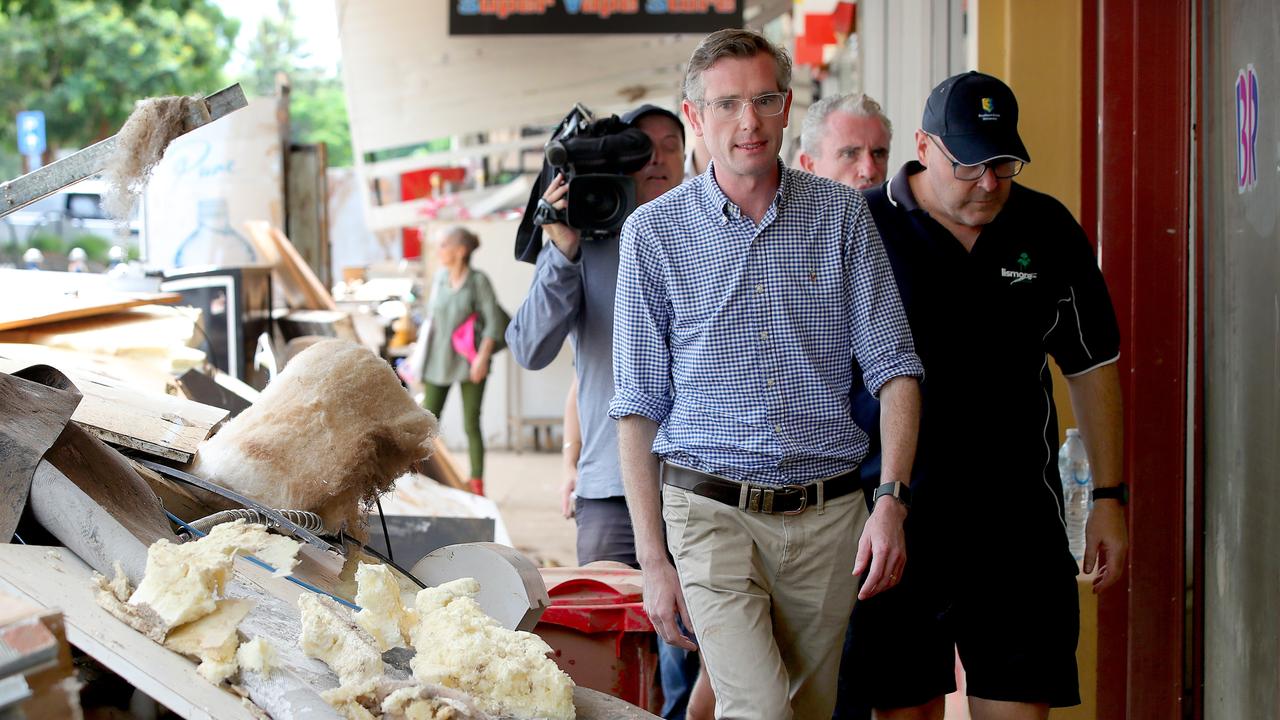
x=181 y=582
x=506 y=672
x=331 y=432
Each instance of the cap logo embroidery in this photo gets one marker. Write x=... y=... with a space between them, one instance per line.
x=988 y=110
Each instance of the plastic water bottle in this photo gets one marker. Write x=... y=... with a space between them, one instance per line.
x=1077 y=485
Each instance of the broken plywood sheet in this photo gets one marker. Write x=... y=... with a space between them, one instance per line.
x=55 y=578
x=32 y=416
x=41 y=309
x=89 y=497
x=123 y=371
x=155 y=423
x=160 y=338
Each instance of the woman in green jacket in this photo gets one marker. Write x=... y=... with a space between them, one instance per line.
x=461 y=296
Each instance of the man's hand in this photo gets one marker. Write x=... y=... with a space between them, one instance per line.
x=664 y=602
x=1106 y=542
x=566 y=496
x=883 y=545
x=565 y=238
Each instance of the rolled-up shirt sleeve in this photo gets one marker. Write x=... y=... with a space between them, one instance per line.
x=882 y=340
x=642 y=318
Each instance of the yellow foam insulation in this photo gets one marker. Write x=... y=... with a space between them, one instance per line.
x=181 y=582
x=330 y=634
x=506 y=672
x=383 y=615
x=213 y=639
x=257 y=655
x=466 y=666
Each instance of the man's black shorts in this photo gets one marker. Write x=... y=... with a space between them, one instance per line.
x=1015 y=624
x=604 y=531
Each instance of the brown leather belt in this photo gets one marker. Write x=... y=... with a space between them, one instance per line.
x=786 y=499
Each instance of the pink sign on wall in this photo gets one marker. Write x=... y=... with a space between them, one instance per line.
x=1246 y=129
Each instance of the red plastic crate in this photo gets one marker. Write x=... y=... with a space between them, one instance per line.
x=600 y=633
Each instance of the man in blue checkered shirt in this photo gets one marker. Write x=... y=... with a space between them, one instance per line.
x=744 y=298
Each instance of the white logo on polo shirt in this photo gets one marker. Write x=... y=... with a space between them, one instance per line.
x=1017 y=275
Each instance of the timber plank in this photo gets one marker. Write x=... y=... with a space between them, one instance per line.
x=158 y=424
x=56 y=308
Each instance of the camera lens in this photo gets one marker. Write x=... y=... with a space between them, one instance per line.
x=603 y=203
x=600 y=202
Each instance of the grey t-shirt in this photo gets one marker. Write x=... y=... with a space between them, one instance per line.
x=574 y=299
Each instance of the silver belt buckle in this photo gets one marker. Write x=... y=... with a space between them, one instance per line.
x=760 y=499
x=804 y=499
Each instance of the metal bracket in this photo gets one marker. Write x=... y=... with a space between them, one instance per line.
x=51 y=178
x=274 y=515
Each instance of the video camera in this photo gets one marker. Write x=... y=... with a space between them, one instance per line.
x=595 y=156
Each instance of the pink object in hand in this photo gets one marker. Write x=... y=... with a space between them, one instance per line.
x=464 y=338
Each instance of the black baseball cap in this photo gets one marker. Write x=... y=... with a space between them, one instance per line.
x=976 y=115
x=633 y=115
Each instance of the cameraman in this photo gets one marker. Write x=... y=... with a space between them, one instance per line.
x=572 y=296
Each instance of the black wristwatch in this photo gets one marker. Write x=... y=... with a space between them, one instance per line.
x=1119 y=492
x=896 y=490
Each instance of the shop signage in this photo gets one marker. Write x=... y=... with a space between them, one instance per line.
x=31 y=140
x=1246 y=129
x=546 y=17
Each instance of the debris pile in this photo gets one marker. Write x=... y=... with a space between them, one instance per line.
x=466 y=665
x=179 y=602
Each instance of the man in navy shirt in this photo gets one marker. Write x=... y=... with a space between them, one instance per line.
x=995 y=279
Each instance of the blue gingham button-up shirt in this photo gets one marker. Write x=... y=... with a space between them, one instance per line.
x=739 y=339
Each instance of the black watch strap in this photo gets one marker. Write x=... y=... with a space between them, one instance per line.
x=1119 y=492
x=896 y=490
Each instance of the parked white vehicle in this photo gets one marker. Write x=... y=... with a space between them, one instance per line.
x=68 y=214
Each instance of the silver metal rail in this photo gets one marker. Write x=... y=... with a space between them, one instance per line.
x=51 y=178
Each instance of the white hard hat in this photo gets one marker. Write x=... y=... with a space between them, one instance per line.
x=77 y=255
x=33 y=255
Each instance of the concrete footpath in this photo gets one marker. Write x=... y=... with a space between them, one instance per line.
x=526 y=487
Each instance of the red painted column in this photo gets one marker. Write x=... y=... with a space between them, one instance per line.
x=1140 y=198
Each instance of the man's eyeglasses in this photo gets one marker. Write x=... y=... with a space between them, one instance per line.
x=764 y=105
x=1003 y=169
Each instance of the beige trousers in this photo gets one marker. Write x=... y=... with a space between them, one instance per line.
x=770 y=597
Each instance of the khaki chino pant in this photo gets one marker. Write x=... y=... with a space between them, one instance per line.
x=770 y=597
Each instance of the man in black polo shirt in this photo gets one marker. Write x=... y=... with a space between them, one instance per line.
x=995 y=278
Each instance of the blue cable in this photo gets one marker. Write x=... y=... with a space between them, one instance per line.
x=265 y=566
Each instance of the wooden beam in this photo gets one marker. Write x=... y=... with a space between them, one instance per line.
x=162 y=425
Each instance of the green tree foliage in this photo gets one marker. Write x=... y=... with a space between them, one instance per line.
x=317 y=103
x=85 y=62
x=46 y=9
